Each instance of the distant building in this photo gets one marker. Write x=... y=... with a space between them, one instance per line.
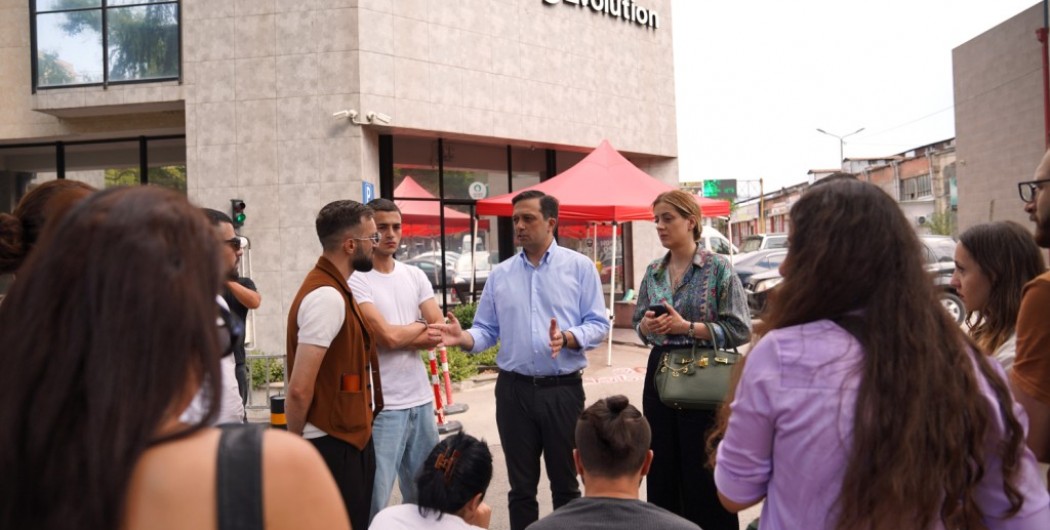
x=920 y=179
x=999 y=117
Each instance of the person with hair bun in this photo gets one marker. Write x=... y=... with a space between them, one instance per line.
x=450 y=489
x=20 y=230
x=993 y=262
x=612 y=455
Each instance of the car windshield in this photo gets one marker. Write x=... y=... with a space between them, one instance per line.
x=751 y=244
x=942 y=249
x=777 y=242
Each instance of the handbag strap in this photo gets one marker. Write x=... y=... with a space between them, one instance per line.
x=238 y=477
x=714 y=341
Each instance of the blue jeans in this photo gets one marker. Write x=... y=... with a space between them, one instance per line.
x=403 y=441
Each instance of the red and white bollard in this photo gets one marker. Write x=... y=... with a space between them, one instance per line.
x=444 y=427
x=450 y=407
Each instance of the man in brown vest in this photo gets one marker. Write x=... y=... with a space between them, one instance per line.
x=332 y=357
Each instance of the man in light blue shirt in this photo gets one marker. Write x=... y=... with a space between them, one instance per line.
x=545 y=308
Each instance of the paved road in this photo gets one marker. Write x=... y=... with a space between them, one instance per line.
x=623 y=377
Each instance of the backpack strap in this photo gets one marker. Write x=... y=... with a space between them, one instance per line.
x=238 y=478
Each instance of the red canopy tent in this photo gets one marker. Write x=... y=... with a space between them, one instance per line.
x=423 y=218
x=604 y=186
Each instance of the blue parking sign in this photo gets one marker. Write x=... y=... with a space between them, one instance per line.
x=368 y=192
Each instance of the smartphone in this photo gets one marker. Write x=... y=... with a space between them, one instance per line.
x=658 y=309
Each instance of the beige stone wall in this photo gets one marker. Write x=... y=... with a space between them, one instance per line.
x=521 y=70
x=998 y=118
x=262 y=78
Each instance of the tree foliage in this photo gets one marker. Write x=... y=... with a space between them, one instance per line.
x=143 y=40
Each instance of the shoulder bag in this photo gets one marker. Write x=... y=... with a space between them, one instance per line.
x=695 y=378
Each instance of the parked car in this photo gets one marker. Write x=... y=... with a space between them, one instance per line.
x=940 y=263
x=758 y=261
x=758 y=242
x=714 y=241
x=431 y=266
x=483 y=261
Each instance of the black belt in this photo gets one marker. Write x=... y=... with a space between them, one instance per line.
x=545 y=380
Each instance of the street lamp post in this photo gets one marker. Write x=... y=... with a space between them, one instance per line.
x=842 y=141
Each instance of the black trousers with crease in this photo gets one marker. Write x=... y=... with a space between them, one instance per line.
x=533 y=421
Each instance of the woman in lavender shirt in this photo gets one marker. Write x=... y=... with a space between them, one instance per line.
x=864 y=405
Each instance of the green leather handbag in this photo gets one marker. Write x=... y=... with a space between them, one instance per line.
x=695 y=378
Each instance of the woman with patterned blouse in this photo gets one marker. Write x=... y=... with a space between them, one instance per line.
x=697 y=287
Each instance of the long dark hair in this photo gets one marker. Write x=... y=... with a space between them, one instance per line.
x=105 y=338
x=458 y=468
x=921 y=421
x=1008 y=256
x=20 y=229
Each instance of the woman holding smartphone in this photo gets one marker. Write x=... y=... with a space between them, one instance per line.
x=681 y=295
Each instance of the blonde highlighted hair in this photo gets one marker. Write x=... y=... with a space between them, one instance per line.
x=685 y=204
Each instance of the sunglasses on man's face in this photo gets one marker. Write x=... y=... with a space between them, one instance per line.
x=1027 y=190
x=237 y=242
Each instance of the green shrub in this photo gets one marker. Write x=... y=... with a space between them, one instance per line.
x=264 y=371
x=462 y=365
x=465 y=314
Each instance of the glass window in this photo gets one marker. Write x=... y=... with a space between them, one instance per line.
x=104 y=165
x=167 y=163
x=82 y=42
x=143 y=42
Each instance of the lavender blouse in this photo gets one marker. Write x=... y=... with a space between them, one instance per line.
x=789 y=434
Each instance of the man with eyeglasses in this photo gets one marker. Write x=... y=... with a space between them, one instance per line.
x=1030 y=377
x=332 y=360
x=239 y=291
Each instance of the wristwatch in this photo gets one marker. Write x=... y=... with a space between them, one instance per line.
x=423 y=321
x=692 y=330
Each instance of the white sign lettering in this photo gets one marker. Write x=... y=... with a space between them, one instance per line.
x=626 y=10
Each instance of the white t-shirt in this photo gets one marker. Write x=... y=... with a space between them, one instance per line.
x=231 y=409
x=321 y=316
x=406 y=517
x=397 y=295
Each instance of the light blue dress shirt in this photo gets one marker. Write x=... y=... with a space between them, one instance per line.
x=519 y=301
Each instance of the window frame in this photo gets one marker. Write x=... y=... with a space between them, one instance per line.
x=103 y=7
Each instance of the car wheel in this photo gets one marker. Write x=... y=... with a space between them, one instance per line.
x=954 y=305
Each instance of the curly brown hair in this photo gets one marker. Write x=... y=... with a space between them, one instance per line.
x=921 y=421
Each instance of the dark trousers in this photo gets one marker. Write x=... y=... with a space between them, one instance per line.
x=679 y=480
x=242 y=381
x=354 y=471
x=535 y=420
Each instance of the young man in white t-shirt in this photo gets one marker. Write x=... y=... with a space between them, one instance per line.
x=398 y=303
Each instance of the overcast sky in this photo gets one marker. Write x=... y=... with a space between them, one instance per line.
x=754 y=80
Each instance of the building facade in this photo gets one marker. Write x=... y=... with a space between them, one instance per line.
x=290 y=104
x=999 y=118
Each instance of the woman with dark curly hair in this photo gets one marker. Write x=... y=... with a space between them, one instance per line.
x=864 y=405
x=993 y=262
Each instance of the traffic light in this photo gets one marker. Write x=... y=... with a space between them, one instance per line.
x=237 y=211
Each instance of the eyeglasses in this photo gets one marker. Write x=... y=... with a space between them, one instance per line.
x=374 y=238
x=237 y=242
x=1027 y=189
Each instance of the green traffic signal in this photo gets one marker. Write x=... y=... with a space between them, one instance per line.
x=237 y=209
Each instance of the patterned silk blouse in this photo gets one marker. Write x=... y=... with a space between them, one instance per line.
x=710 y=291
